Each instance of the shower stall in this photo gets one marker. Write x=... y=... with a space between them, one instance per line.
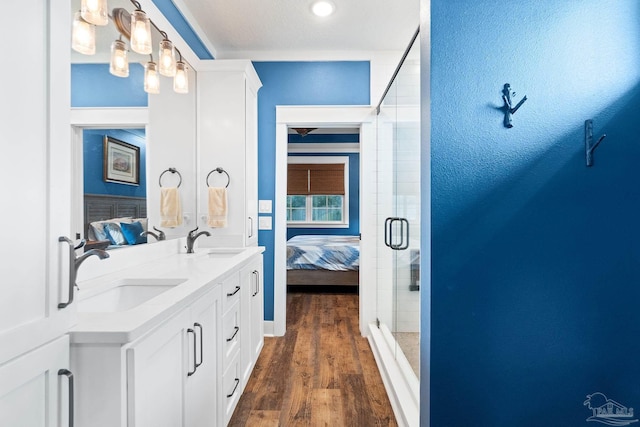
x=395 y=336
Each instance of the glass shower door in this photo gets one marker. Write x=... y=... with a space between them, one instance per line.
x=398 y=216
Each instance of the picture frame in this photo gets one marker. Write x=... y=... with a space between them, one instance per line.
x=121 y=162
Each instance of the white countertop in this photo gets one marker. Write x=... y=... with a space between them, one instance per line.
x=202 y=271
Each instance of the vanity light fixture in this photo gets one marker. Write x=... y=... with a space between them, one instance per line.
x=151 y=77
x=119 y=65
x=140 y=32
x=167 y=61
x=94 y=11
x=83 y=36
x=136 y=27
x=323 y=8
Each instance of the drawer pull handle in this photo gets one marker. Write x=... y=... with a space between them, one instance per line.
x=256 y=275
x=234 y=292
x=195 y=366
x=234 y=334
x=237 y=380
x=67 y=373
x=199 y=326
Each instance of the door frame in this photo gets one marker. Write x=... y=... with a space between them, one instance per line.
x=362 y=117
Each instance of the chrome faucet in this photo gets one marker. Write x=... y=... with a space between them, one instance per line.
x=159 y=236
x=75 y=262
x=191 y=238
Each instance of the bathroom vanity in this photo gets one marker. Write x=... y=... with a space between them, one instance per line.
x=169 y=342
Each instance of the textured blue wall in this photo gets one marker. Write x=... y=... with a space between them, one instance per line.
x=535 y=257
x=354 y=201
x=93 y=158
x=297 y=83
x=93 y=86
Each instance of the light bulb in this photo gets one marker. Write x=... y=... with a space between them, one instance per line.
x=167 y=59
x=94 y=11
x=151 y=78
x=119 y=65
x=323 y=8
x=181 y=79
x=83 y=36
x=140 y=33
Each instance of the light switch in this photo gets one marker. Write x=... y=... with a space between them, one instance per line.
x=264 y=223
x=264 y=206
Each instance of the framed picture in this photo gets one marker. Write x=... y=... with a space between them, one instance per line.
x=121 y=162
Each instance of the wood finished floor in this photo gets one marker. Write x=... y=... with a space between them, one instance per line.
x=321 y=373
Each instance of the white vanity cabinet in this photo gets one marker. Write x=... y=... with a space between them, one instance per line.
x=36 y=176
x=252 y=311
x=228 y=139
x=167 y=378
x=243 y=331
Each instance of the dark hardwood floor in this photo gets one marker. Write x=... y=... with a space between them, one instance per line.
x=321 y=373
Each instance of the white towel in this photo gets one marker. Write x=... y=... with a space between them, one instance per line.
x=217 y=207
x=170 y=207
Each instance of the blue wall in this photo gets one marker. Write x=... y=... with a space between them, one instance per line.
x=93 y=158
x=535 y=257
x=354 y=201
x=297 y=83
x=93 y=86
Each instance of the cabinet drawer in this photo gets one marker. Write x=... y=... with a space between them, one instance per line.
x=230 y=292
x=230 y=333
x=231 y=387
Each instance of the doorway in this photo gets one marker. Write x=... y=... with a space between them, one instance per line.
x=362 y=118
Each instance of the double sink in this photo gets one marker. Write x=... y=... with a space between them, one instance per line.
x=126 y=294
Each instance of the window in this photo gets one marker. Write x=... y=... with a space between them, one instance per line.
x=317 y=191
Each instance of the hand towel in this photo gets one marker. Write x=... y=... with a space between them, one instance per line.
x=217 y=207
x=170 y=207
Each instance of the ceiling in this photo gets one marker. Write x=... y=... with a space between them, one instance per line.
x=267 y=26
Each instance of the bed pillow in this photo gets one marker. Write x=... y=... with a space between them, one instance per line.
x=97 y=227
x=131 y=232
x=114 y=233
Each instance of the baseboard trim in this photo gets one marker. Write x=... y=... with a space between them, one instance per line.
x=269 y=328
x=399 y=390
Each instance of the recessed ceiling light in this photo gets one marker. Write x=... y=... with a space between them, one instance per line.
x=323 y=8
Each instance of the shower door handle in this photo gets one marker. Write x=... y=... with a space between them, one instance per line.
x=388 y=233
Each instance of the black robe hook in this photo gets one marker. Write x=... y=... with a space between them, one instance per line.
x=509 y=110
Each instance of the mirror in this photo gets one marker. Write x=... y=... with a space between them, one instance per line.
x=162 y=126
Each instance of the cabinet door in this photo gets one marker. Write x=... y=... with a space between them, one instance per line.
x=36 y=178
x=201 y=394
x=32 y=394
x=257 y=310
x=252 y=316
x=251 y=171
x=156 y=372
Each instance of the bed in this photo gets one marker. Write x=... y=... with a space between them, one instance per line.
x=323 y=260
x=103 y=212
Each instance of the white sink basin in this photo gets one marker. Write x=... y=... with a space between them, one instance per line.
x=225 y=252
x=127 y=294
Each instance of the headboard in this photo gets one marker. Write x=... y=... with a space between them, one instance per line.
x=98 y=207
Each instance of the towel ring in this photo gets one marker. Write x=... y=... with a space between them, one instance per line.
x=219 y=170
x=172 y=170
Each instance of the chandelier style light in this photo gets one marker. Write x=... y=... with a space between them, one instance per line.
x=136 y=27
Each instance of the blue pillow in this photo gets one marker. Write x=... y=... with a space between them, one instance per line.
x=114 y=233
x=132 y=233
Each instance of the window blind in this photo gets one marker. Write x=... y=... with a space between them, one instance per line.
x=315 y=178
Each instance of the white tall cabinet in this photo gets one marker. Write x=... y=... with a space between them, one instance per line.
x=36 y=177
x=228 y=139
